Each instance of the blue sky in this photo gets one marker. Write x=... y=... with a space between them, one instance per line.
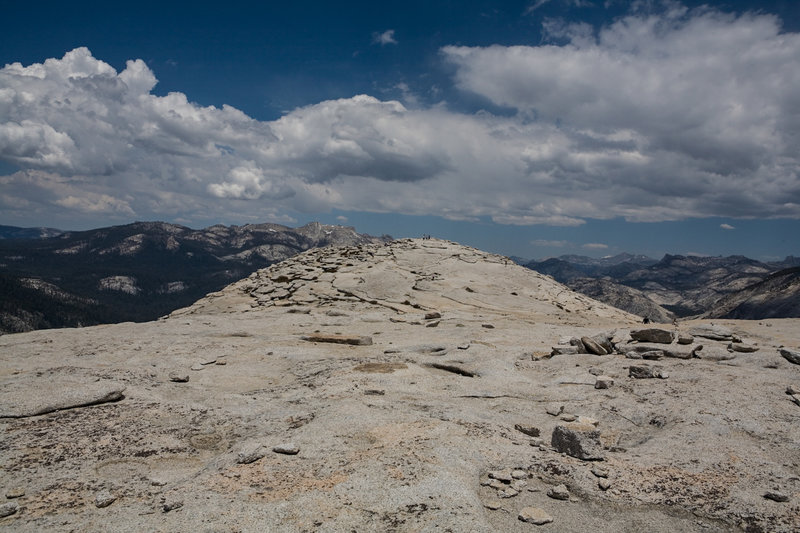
x=530 y=128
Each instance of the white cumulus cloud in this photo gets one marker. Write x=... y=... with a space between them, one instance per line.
x=383 y=38
x=656 y=117
x=680 y=105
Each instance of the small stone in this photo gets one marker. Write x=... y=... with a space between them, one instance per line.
x=221 y=362
x=432 y=315
x=208 y=361
x=493 y=505
x=17 y=492
x=534 y=515
x=519 y=474
x=463 y=346
x=7 y=509
x=604 y=484
x=536 y=441
x=554 y=410
x=742 y=348
x=104 y=498
x=487 y=326
x=646 y=372
x=531 y=431
x=776 y=496
x=501 y=475
x=251 y=455
x=685 y=338
x=599 y=471
x=172 y=505
x=519 y=484
x=497 y=484
x=564 y=350
x=433 y=324
x=178 y=377
x=791 y=355
x=568 y=418
x=197 y=367
x=510 y=492
x=652 y=355
x=603 y=382
x=286 y=449
x=559 y=492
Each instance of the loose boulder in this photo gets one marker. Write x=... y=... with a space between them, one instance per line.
x=581 y=441
x=792 y=356
x=593 y=346
x=661 y=336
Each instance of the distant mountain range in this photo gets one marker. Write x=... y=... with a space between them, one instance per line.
x=681 y=286
x=13 y=232
x=137 y=272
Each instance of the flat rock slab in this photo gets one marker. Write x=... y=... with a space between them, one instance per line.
x=657 y=335
x=713 y=332
x=354 y=340
x=18 y=401
x=674 y=351
x=534 y=515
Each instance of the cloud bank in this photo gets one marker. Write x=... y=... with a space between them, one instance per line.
x=656 y=117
